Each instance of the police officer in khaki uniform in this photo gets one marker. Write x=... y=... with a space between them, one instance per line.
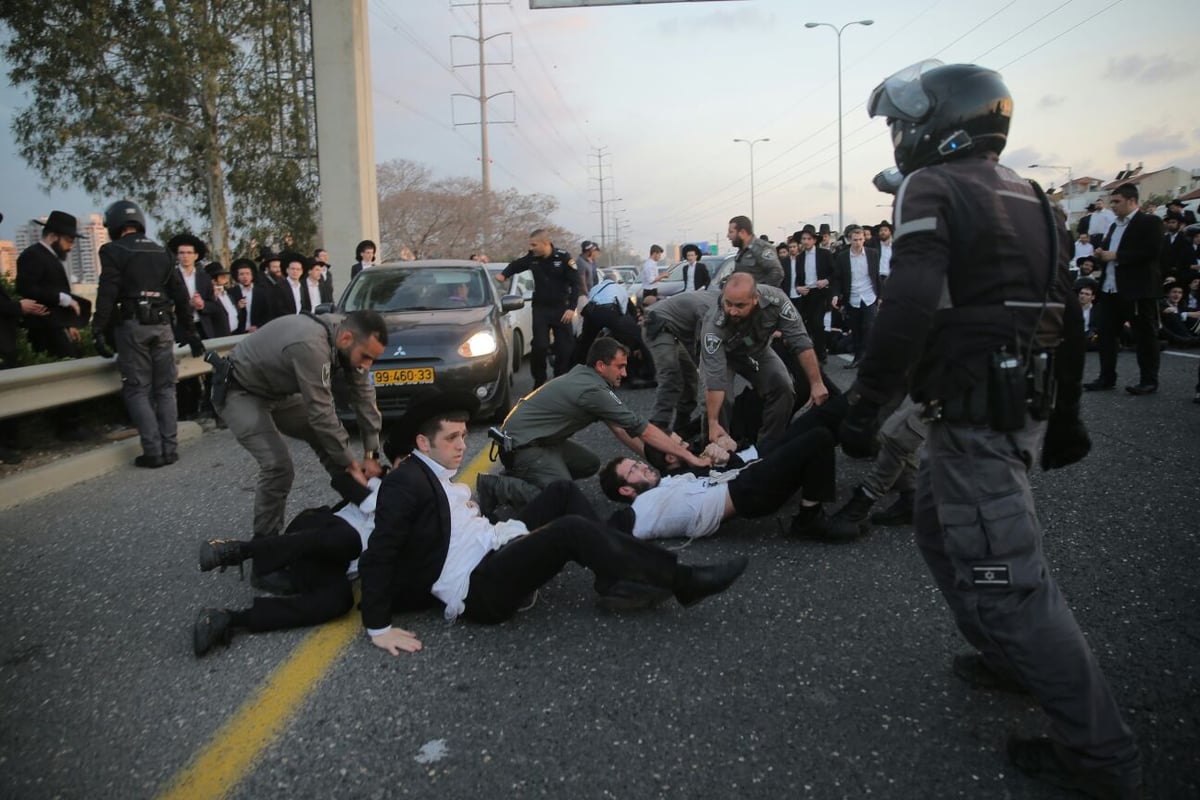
x=671 y=330
x=139 y=295
x=737 y=339
x=980 y=313
x=280 y=385
x=755 y=256
x=556 y=285
x=539 y=449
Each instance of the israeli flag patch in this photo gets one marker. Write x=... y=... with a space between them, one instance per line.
x=990 y=575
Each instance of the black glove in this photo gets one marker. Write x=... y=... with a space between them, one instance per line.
x=101 y=344
x=859 y=431
x=1066 y=442
x=194 y=342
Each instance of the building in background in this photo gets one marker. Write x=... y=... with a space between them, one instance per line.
x=8 y=259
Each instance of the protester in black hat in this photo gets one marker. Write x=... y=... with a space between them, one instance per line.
x=290 y=297
x=1176 y=256
x=253 y=303
x=12 y=313
x=315 y=290
x=422 y=557
x=364 y=255
x=208 y=317
x=883 y=243
x=695 y=274
x=43 y=276
x=321 y=256
x=270 y=271
x=226 y=323
x=1187 y=215
x=825 y=237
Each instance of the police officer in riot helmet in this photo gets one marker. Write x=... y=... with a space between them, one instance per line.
x=139 y=297
x=980 y=323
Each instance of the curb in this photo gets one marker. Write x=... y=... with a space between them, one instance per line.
x=67 y=472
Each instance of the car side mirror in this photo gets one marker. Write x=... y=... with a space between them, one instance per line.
x=512 y=302
x=325 y=308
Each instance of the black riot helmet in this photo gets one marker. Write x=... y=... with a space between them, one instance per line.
x=938 y=112
x=123 y=213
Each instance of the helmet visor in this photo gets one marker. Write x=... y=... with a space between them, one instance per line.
x=902 y=96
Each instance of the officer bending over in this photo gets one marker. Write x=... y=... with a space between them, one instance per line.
x=139 y=296
x=279 y=383
x=980 y=301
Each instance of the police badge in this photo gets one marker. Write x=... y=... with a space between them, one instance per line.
x=788 y=311
x=325 y=373
x=571 y=263
x=712 y=343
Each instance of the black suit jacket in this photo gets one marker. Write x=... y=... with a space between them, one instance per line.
x=702 y=277
x=208 y=325
x=41 y=276
x=10 y=318
x=408 y=547
x=1084 y=223
x=1177 y=256
x=258 y=313
x=284 y=301
x=1138 y=275
x=841 y=269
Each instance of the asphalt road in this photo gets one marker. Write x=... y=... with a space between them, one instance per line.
x=823 y=673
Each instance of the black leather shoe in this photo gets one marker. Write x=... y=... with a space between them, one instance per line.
x=213 y=626
x=819 y=527
x=972 y=669
x=1038 y=758
x=696 y=583
x=898 y=513
x=149 y=462
x=631 y=596
x=1142 y=388
x=850 y=521
x=1098 y=385
x=221 y=553
x=170 y=458
x=278 y=582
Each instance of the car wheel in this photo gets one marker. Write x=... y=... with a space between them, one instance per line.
x=518 y=348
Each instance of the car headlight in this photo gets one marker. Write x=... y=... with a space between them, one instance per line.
x=481 y=344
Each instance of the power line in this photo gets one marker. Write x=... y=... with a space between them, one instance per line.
x=1027 y=27
x=1070 y=29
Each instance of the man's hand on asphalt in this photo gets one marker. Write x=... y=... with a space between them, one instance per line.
x=396 y=639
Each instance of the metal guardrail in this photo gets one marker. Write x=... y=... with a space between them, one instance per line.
x=43 y=386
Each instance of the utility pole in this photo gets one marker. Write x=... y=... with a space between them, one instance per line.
x=601 y=153
x=482 y=98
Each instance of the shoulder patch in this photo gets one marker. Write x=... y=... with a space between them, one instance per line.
x=613 y=395
x=712 y=343
x=788 y=311
x=571 y=263
x=326 y=368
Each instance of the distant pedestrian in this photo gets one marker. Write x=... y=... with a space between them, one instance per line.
x=364 y=257
x=650 y=276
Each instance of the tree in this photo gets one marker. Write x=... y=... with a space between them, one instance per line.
x=193 y=108
x=443 y=218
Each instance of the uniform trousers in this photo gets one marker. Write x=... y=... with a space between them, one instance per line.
x=531 y=469
x=545 y=320
x=260 y=424
x=978 y=531
x=678 y=382
x=1142 y=316
x=900 y=440
x=146 y=359
x=804 y=461
x=771 y=381
x=315 y=551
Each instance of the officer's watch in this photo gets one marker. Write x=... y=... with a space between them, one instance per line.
x=370 y=455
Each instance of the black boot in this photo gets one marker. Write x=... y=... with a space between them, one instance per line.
x=629 y=596
x=898 y=513
x=213 y=626
x=851 y=520
x=1039 y=758
x=693 y=584
x=221 y=553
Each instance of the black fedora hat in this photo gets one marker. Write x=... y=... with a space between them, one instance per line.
x=62 y=223
x=238 y=263
x=824 y=231
x=178 y=241
x=266 y=256
x=400 y=437
x=690 y=248
x=810 y=229
x=215 y=268
x=300 y=258
x=1079 y=261
x=884 y=224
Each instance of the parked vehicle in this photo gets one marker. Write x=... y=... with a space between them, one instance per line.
x=719 y=268
x=519 y=322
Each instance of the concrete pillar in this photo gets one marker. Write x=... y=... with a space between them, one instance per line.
x=345 y=131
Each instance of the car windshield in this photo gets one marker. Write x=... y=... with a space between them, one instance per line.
x=418 y=289
x=626 y=276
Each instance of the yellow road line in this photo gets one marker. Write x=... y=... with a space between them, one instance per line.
x=228 y=756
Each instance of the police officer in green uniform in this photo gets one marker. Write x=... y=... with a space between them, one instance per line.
x=556 y=285
x=140 y=294
x=737 y=339
x=279 y=384
x=538 y=449
x=980 y=303
x=755 y=255
x=671 y=330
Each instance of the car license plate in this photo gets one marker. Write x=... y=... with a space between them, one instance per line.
x=402 y=377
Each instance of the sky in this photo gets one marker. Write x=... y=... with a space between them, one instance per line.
x=662 y=90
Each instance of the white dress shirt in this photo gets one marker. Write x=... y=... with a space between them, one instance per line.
x=314 y=293
x=1101 y=221
x=649 y=273
x=1110 y=272
x=885 y=260
x=230 y=309
x=1083 y=250
x=190 y=282
x=682 y=505
x=862 y=291
x=361 y=517
x=295 y=287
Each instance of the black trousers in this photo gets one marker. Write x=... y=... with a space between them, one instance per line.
x=53 y=340
x=506 y=577
x=315 y=550
x=804 y=461
x=861 y=318
x=1142 y=316
x=545 y=320
x=621 y=327
x=812 y=308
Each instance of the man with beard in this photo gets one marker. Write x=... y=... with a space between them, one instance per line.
x=42 y=276
x=279 y=384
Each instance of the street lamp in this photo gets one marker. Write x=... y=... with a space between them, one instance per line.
x=752 y=142
x=1067 y=194
x=838 y=31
